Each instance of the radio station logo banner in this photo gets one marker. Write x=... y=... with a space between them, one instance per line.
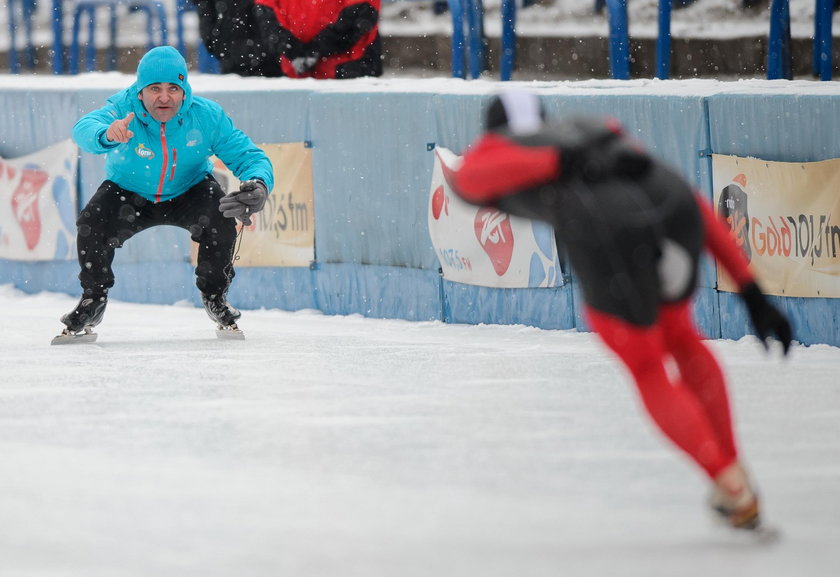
x=485 y=246
x=283 y=234
x=786 y=218
x=38 y=200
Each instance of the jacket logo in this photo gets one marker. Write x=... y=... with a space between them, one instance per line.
x=143 y=152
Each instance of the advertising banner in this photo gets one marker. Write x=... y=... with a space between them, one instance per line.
x=283 y=234
x=485 y=246
x=786 y=218
x=38 y=204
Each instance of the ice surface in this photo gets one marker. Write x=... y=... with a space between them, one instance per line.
x=345 y=446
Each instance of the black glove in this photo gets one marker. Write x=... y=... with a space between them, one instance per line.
x=249 y=199
x=769 y=322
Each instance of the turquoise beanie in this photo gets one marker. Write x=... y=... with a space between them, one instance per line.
x=162 y=64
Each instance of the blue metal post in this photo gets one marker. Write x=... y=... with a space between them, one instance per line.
x=663 y=41
x=58 y=37
x=112 y=34
x=508 y=59
x=90 y=51
x=822 y=39
x=456 y=8
x=14 y=65
x=619 y=39
x=778 y=51
x=475 y=24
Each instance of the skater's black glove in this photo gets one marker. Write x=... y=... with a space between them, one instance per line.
x=242 y=203
x=769 y=322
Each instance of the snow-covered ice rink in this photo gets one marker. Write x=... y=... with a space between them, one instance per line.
x=346 y=446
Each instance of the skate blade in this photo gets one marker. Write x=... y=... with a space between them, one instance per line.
x=70 y=338
x=761 y=534
x=764 y=533
x=232 y=333
x=756 y=531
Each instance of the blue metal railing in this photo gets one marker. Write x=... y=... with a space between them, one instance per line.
x=469 y=50
x=779 y=52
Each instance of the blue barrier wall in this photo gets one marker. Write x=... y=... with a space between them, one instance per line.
x=372 y=164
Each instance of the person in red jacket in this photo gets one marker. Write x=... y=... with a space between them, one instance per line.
x=634 y=231
x=322 y=38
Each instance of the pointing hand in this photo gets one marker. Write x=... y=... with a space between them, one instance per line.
x=118 y=131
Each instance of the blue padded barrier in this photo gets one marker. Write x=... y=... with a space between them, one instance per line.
x=552 y=308
x=458 y=119
x=371 y=176
x=281 y=117
x=286 y=288
x=163 y=281
x=779 y=126
x=35 y=119
x=787 y=128
x=34 y=277
x=378 y=291
x=372 y=170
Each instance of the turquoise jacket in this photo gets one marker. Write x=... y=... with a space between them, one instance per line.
x=163 y=160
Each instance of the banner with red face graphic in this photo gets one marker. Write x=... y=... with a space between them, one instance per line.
x=786 y=218
x=38 y=204
x=485 y=246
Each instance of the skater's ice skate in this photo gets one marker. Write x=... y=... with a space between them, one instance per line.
x=734 y=499
x=223 y=314
x=80 y=321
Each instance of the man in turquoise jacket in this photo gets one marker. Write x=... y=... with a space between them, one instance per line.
x=158 y=139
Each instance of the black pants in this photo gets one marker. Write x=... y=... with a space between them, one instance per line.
x=114 y=215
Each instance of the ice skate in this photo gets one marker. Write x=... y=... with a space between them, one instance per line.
x=224 y=315
x=734 y=499
x=80 y=321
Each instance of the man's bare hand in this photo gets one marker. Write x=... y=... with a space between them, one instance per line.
x=118 y=131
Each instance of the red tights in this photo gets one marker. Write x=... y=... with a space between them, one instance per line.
x=691 y=405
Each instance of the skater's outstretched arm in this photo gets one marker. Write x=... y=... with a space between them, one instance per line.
x=769 y=322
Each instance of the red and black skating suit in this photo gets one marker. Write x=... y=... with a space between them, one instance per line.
x=323 y=38
x=633 y=230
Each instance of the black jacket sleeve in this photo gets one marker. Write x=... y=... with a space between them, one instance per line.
x=352 y=23
x=231 y=33
x=278 y=41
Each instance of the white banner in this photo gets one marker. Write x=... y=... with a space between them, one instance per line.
x=38 y=204
x=485 y=246
x=786 y=218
